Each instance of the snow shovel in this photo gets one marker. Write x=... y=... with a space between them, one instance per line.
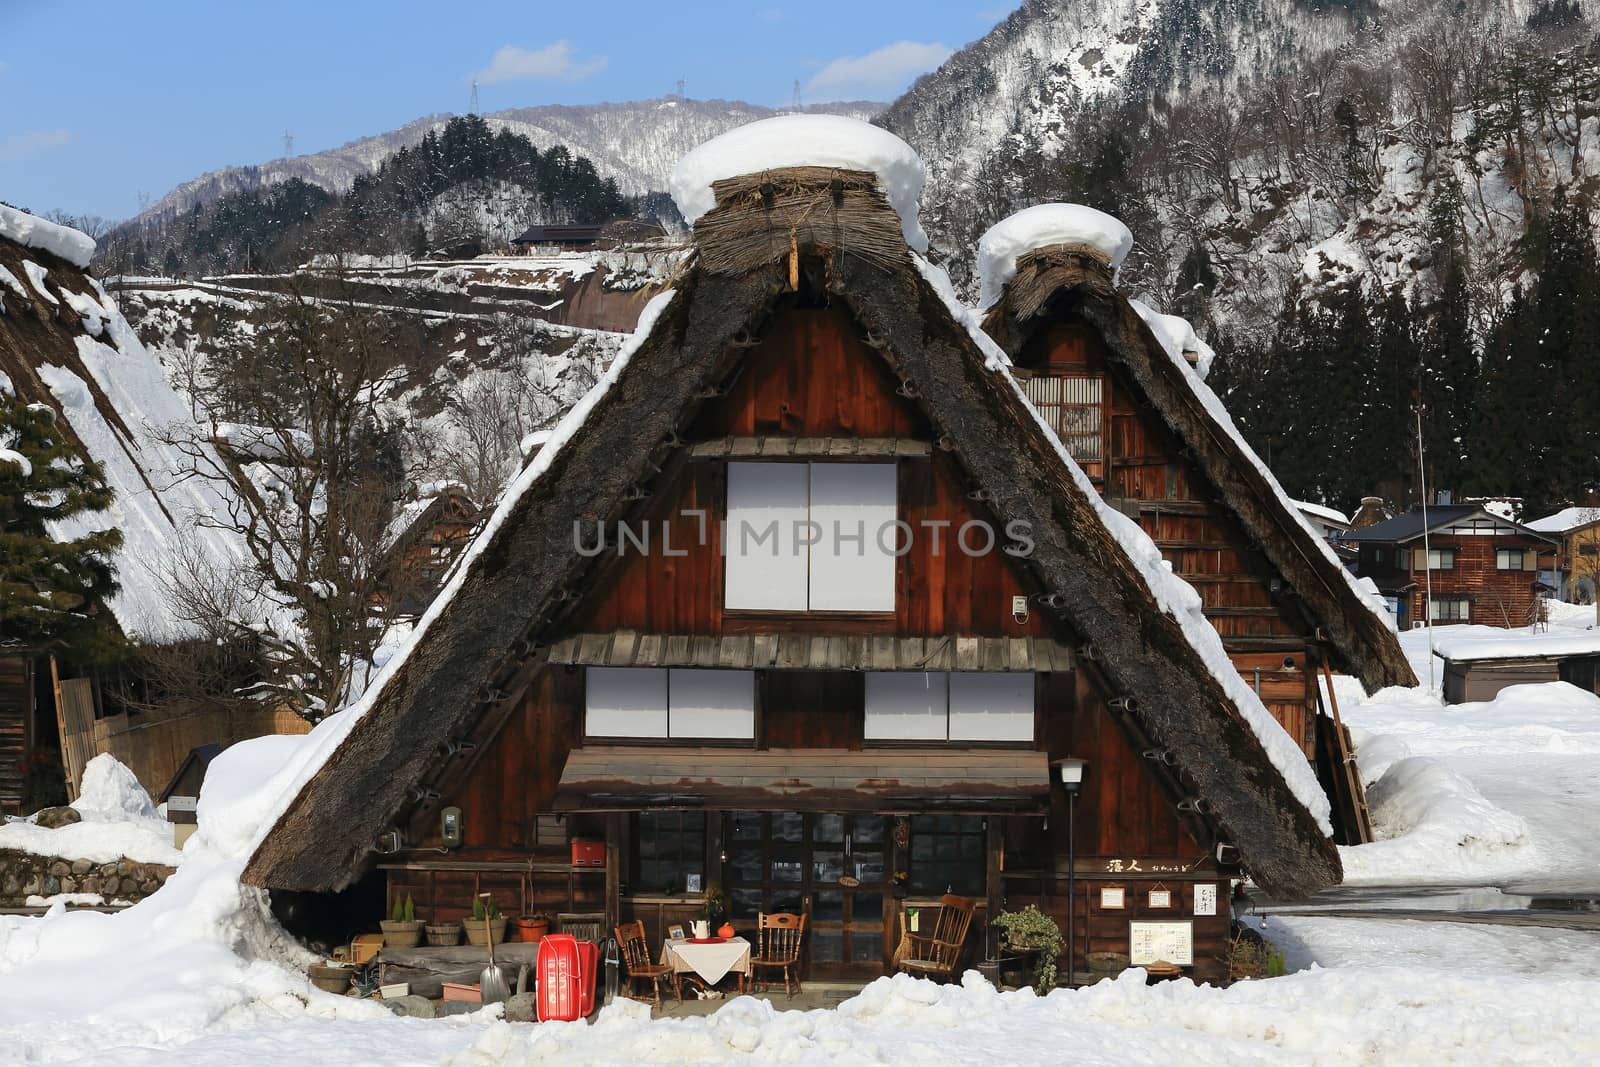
x=492 y=988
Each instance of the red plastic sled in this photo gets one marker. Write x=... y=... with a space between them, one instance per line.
x=566 y=971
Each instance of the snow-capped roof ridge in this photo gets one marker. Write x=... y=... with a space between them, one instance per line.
x=74 y=246
x=1039 y=227
x=804 y=141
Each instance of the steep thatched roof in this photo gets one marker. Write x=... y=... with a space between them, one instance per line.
x=1060 y=282
x=516 y=587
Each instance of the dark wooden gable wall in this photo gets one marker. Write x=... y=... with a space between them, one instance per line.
x=1147 y=473
x=809 y=375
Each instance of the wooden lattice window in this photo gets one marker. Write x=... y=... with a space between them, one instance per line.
x=1072 y=406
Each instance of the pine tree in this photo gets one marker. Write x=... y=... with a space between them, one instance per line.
x=51 y=592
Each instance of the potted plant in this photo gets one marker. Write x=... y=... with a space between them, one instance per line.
x=485 y=917
x=530 y=928
x=441 y=935
x=402 y=929
x=1032 y=931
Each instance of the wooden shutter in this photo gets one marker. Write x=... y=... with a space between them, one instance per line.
x=1419 y=559
x=1530 y=559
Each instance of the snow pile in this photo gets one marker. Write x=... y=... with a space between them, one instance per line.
x=9 y=281
x=119 y=822
x=1434 y=828
x=110 y=793
x=1041 y=226
x=804 y=141
x=36 y=275
x=30 y=230
x=1177 y=337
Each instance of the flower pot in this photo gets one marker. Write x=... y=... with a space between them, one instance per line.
x=990 y=969
x=529 y=930
x=1106 y=964
x=401 y=934
x=443 y=934
x=478 y=930
x=329 y=979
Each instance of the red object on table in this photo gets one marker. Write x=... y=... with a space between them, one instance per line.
x=588 y=853
x=705 y=940
x=566 y=970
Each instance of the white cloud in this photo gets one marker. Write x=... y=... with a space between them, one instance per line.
x=32 y=143
x=885 y=71
x=552 y=61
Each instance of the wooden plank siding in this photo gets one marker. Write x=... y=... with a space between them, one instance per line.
x=16 y=724
x=1146 y=473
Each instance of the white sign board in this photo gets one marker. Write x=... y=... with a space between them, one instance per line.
x=1205 y=898
x=176 y=803
x=1149 y=942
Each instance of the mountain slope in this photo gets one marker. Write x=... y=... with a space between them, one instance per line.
x=635 y=142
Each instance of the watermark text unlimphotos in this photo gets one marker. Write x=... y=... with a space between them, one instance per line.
x=795 y=537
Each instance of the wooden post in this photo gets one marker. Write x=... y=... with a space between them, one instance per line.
x=994 y=878
x=613 y=870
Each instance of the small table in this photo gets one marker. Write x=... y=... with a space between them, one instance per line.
x=711 y=962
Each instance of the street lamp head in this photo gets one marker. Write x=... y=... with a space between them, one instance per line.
x=1070 y=770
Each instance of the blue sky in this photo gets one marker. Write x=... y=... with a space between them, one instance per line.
x=104 y=101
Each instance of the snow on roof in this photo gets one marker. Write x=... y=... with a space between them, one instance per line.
x=1041 y=226
x=1565 y=519
x=1321 y=512
x=1474 y=642
x=156 y=510
x=25 y=229
x=295 y=761
x=1176 y=336
x=804 y=141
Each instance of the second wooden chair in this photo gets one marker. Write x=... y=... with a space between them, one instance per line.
x=636 y=963
x=778 y=938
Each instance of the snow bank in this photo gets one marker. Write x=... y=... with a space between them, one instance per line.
x=25 y=229
x=1434 y=828
x=1177 y=337
x=119 y=822
x=803 y=141
x=1037 y=227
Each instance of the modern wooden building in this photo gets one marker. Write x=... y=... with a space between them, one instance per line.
x=802 y=604
x=1577 y=573
x=1153 y=439
x=1480 y=567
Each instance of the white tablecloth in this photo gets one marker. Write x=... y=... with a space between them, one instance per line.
x=710 y=962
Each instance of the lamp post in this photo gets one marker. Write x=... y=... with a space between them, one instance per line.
x=1070 y=771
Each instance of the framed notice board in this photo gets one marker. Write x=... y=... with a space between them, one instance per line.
x=1170 y=941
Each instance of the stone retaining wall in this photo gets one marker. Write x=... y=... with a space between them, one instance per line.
x=22 y=874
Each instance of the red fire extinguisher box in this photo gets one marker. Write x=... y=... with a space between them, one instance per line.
x=588 y=853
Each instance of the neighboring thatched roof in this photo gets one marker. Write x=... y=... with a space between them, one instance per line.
x=1063 y=283
x=514 y=592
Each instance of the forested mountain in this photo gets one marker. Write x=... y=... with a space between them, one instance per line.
x=1357 y=202
x=464 y=183
x=636 y=143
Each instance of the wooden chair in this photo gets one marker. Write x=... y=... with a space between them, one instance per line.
x=636 y=965
x=778 y=938
x=583 y=925
x=936 y=952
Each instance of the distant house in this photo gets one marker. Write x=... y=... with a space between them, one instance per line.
x=423 y=540
x=1577 y=572
x=585 y=236
x=1483 y=568
x=1329 y=522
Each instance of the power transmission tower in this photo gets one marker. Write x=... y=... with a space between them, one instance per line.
x=797 y=94
x=681 y=84
x=472 y=109
x=288 y=144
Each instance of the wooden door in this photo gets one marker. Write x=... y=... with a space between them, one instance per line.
x=834 y=868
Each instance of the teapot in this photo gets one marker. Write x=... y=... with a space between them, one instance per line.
x=702 y=928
